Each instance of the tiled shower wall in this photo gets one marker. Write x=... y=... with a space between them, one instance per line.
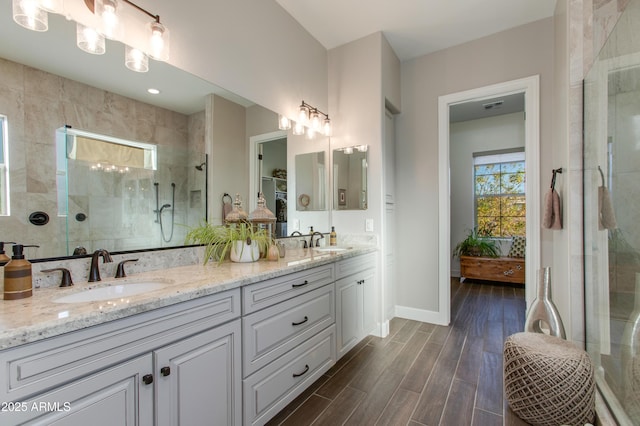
x=36 y=103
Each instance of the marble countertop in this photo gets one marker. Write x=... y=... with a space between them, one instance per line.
x=39 y=317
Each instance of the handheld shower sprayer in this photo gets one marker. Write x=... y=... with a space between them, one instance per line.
x=165 y=206
x=201 y=166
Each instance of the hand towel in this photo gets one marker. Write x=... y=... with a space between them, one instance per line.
x=606 y=215
x=552 y=215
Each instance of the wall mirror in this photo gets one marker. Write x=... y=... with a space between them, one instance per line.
x=311 y=182
x=48 y=82
x=350 y=178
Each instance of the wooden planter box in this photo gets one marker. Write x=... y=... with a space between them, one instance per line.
x=504 y=269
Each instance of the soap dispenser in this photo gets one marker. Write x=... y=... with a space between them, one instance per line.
x=17 y=275
x=4 y=259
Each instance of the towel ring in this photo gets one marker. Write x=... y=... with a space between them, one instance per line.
x=226 y=196
x=553 y=178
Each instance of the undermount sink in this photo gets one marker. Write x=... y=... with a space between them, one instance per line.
x=331 y=248
x=111 y=292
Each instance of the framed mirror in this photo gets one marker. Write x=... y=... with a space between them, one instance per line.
x=311 y=182
x=48 y=82
x=350 y=169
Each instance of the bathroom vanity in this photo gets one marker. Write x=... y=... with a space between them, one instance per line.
x=226 y=344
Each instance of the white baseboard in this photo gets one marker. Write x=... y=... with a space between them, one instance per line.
x=421 y=315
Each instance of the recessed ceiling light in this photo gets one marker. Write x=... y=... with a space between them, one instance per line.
x=153 y=91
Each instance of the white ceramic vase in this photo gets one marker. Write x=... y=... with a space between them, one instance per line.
x=243 y=252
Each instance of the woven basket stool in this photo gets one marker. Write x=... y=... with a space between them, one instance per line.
x=548 y=381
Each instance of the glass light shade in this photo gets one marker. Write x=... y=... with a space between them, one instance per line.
x=283 y=122
x=298 y=129
x=348 y=150
x=53 y=6
x=303 y=115
x=90 y=40
x=158 y=41
x=326 y=127
x=109 y=13
x=315 y=121
x=28 y=14
x=311 y=133
x=136 y=60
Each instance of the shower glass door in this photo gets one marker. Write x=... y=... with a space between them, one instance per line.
x=612 y=217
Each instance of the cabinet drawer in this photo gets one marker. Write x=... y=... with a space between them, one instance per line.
x=269 y=292
x=51 y=362
x=272 y=388
x=269 y=333
x=355 y=264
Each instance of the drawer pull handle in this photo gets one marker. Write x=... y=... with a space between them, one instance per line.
x=165 y=371
x=300 y=285
x=147 y=379
x=306 y=318
x=306 y=368
x=360 y=282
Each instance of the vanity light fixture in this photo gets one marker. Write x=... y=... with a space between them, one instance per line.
x=310 y=120
x=110 y=21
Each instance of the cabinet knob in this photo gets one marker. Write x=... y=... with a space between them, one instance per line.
x=165 y=371
x=306 y=318
x=306 y=368
x=147 y=379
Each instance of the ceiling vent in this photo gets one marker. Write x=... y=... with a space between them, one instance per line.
x=491 y=105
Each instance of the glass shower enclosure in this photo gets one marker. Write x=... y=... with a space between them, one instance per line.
x=612 y=217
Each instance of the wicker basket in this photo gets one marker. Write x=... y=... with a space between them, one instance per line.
x=548 y=381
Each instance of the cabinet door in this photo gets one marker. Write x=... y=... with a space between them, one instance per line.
x=349 y=314
x=198 y=379
x=366 y=281
x=116 y=396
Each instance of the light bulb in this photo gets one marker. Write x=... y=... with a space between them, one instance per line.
x=326 y=127
x=283 y=122
x=315 y=121
x=136 y=60
x=348 y=150
x=303 y=115
x=89 y=40
x=108 y=12
x=158 y=41
x=28 y=14
x=298 y=129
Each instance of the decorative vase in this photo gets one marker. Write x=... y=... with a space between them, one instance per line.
x=243 y=252
x=273 y=253
x=543 y=310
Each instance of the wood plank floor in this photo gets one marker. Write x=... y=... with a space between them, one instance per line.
x=423 y=374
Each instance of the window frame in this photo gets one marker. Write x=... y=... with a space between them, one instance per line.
x=498 y=158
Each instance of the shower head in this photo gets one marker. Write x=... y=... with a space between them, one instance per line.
x=165 y=206
x=201 y=166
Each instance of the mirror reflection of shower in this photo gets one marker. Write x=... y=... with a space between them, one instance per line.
x=158 y=211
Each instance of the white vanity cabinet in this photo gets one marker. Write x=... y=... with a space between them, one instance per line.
x=288 y=331
x=174 y=365
x=355 y=301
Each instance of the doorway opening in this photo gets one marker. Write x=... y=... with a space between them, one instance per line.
x=530 y=88
x=268 y=158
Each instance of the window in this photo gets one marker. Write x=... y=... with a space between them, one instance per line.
x=499 y=188
x=4 y=168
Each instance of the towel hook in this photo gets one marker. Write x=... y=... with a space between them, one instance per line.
x=226 y=196
x=601 y=176
x=553 y=178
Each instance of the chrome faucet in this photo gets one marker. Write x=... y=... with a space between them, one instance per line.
x=317 y=241
x=94 y=270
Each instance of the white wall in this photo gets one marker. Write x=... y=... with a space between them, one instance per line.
x=252 y=48
x=465 y=138
x=516 y=53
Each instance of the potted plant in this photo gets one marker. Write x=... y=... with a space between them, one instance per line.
x=242 y=242
x=477 y=243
